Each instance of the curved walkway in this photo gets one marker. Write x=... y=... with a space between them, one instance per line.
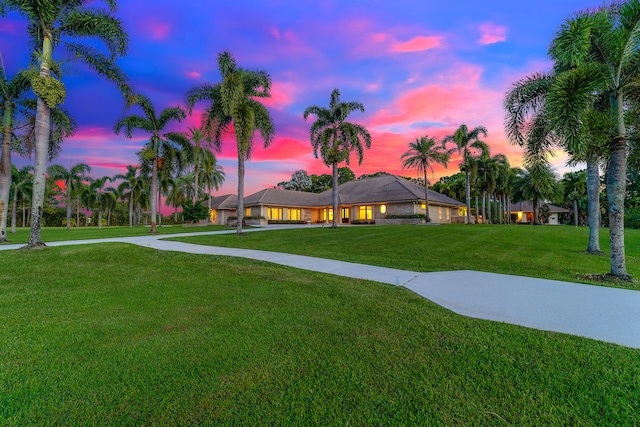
x=601 y=313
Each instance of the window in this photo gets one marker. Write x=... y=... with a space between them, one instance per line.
x=423 y=206
x=365 y=212
x=294 y=214
x=324 y=214
x=383 y=208
x=275 y=213
x=247 y=211
x=213 y=215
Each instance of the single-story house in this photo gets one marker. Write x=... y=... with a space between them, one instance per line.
x=222 y=207
x=524 y=211
x=368 y=200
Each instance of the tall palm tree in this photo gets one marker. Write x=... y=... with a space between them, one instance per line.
x=96 y=196
x=130 y=181
x=163 y=149
x=421 y=155
x=54 y=24
x=72 y=178
x=21 y=182
x=212 y=174
x=197 y=136
x=233 y=103
x=536 y=183
x=598 y=52
x=464 y=140
x=574 y=186
x=11 y=92
x=335 y=138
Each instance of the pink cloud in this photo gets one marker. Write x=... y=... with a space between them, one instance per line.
x=491 y=33
x=417 y=44
x=156 y=30
x=193 y=74
x=281 y=95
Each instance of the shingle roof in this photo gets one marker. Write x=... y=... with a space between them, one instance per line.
x=277 y=197
x=527 y=206
x=228 y=201
x=382 y=189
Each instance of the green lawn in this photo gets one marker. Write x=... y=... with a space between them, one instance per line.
x=117 y=334
x=546 y=252
x=56 y=234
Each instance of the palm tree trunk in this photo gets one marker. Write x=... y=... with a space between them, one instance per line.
x=43 y=127
x=536 y=215
x=240 y=213
x=575 y=212
x=159 y=215
x=5 y=169
x=131 y=208
x=68 y=204
x=78 y=211
x=426 y=196
x=476 y=209
x=616 y=188
x=14 y=212
x=24 y=213
x=489 y=207
x=484 y=211
x=334 y=195
x=154 y=191
x=593 y=200
x=468 y=196
x=195 y=196
x=508 y=209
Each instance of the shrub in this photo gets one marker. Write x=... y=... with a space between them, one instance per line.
x=412 y=216
x=286 y=221
x=194 y=213
x=363 y=221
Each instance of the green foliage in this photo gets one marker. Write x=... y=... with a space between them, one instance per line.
x=412 y=216
x=285 y=221
x=194 y=212
x=363 y=221
x=632 y=217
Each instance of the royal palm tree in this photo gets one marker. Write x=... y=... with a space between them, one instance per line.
x=421 y=155
x=11 y=92
x=129 y=187
x=233 y=103
x=335 y=138
x=464 y=140
x=212 y=174
x=163 y=149
x=72 y=178
x=574 y=186
x=61 y=24
x=598 y=54
x=21 y=182
x=197 y=137
x=95 y=196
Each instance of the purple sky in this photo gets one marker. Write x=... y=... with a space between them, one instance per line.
x=419 y=67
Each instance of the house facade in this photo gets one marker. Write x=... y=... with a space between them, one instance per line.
x=524 y=212
x=221 y=208
x=368 y=200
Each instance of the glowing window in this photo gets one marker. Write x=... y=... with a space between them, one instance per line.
x=383 y=209
x=213 y=215
x=324 y=214
x=365 y=212
x=247 y=211
x=275 y=213
x=423 y=206
x=295 y=214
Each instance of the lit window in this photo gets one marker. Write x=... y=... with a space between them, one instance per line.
x=365 y=212
x=383 y=209
x=275 y=213
x=294 y=214
x=423 y=206
x=324 y=214
x=212 y=215
x=247 y=211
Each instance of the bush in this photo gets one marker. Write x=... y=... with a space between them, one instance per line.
x=286 y=221
x=194 y=213
x=364 y=221
x=413 y=216
x=632 y=217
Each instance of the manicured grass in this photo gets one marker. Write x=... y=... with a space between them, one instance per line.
x=122 y=335
x=547 y=252
x=56 y=234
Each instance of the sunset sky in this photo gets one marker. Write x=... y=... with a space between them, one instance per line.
x=419 y=67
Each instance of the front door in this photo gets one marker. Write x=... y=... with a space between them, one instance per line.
x=345 y=215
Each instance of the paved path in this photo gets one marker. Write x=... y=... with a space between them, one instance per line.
x=601 y=313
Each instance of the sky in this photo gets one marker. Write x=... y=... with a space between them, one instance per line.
x=419 y=67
